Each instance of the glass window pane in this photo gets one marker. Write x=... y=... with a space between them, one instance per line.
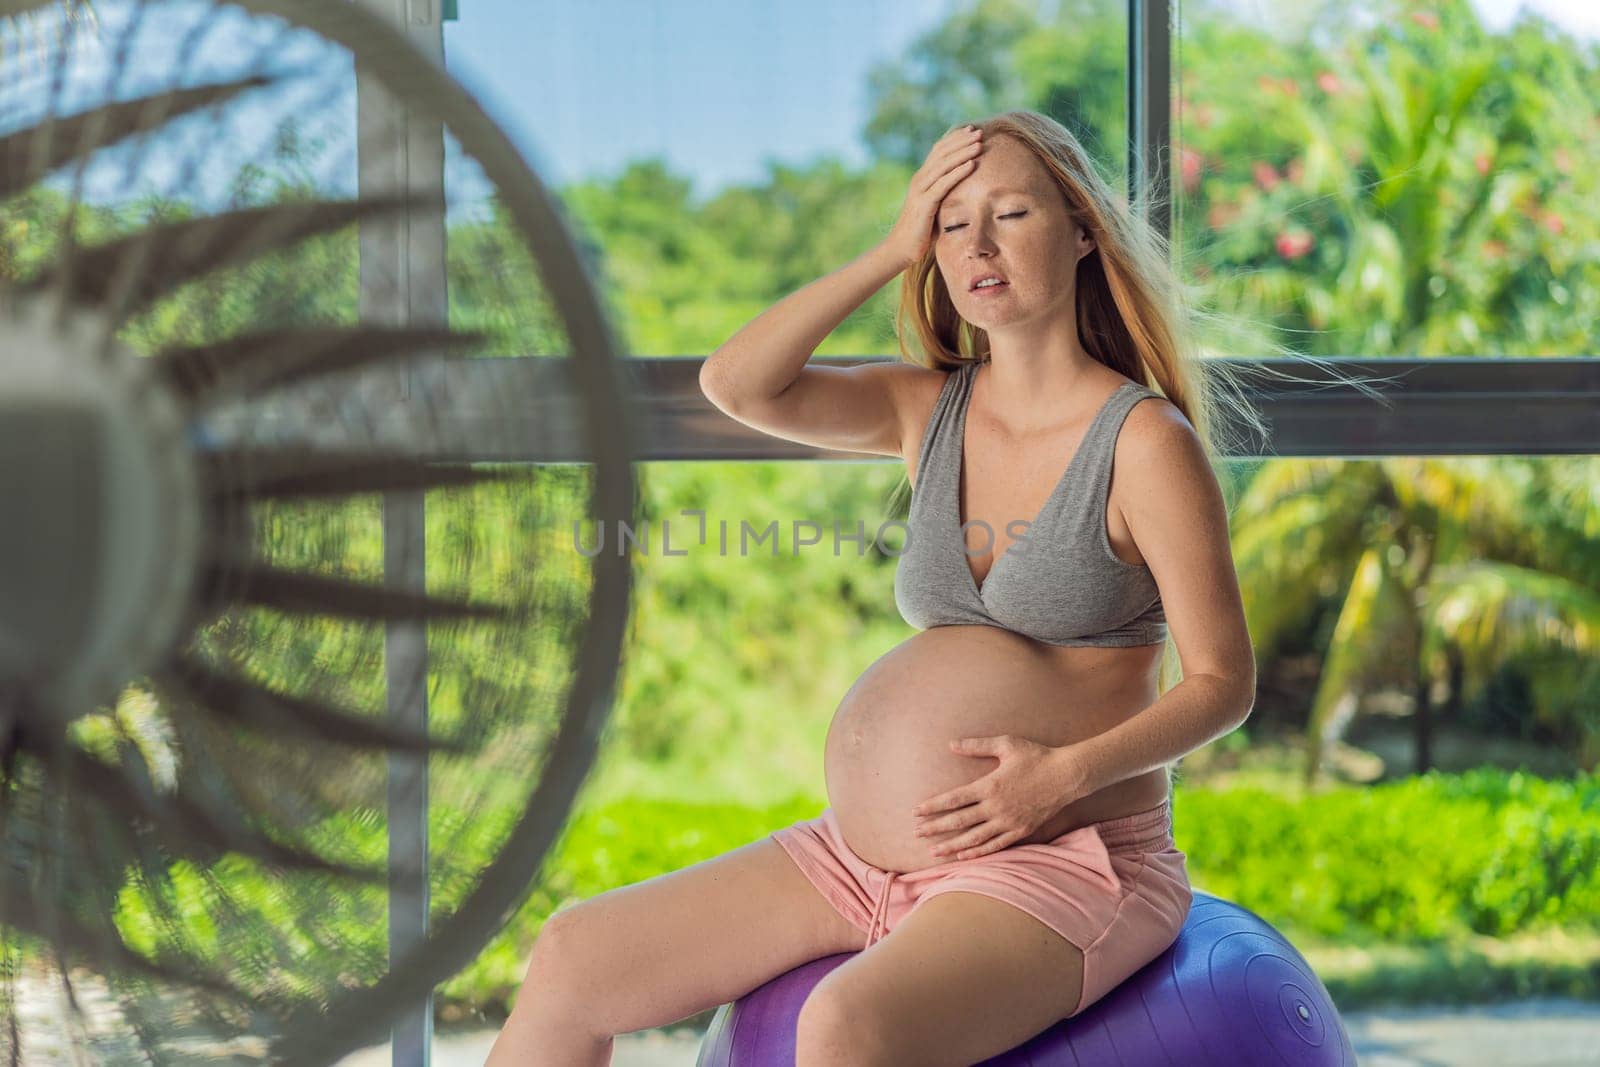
x=1460 y=583
x=718 y=156
x=1382 y=178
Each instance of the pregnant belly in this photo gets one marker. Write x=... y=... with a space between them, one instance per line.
x=888 y=745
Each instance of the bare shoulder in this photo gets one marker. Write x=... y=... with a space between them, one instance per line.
x=1172 y=503
x=1161 y=467
x=1157 y=443
x=1155 y=421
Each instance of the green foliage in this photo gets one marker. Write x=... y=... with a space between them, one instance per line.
x=1424 y=859
x=1427 y=863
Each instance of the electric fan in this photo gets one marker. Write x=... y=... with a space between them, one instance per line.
x=278 y=527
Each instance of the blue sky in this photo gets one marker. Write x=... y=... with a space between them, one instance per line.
x=659 y=83
x=716 y=88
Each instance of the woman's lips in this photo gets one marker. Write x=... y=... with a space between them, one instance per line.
x=990 y=289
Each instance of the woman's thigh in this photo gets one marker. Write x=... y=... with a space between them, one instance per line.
x=964 y=978
x=660 y=950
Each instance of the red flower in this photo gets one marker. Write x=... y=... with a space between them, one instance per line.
x=1329 y=83
x=1481 y=161
x=1293 y=245
x=1426 y=19
x=1266 y=175
x=1553 y=223
x=1191 y=165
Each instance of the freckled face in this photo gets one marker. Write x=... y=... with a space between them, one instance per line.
x=1008 y=217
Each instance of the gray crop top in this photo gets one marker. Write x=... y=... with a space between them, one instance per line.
x=1060 y=583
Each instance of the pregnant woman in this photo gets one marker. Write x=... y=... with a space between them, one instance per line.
x=998 y=844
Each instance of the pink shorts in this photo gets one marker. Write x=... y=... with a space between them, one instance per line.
x=1118 y=890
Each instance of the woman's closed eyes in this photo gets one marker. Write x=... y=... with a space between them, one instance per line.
x=958 y=225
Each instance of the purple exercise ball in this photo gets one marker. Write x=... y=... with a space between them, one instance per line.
x=1229 y=992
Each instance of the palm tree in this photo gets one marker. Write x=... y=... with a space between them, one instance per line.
x=1402 y=224
x=1436 y=582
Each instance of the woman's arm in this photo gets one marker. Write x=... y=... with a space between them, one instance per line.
x=759 y=375
x=760 y=378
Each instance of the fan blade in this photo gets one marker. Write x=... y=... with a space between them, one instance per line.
x=184 y=825
x=273 y=358
x=312 y=594
x=235 y=698
x=103 y=889
x=222 y=772
x=24 y=728
x=22 y=162
x=10 y=745
x=182 y=251
x=306 y=472
x=60 y=928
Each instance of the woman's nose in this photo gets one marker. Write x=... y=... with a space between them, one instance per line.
x=981 y=235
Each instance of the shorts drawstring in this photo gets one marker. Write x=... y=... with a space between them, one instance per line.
x=880 y=911
x=1088 y=847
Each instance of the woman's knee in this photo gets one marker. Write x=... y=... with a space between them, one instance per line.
x=831 y=1030
x=557 y=979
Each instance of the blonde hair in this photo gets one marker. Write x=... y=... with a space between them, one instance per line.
x=1135 y=313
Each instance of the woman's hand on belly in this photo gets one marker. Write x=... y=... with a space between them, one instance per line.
x=872 y=788
x=889 y=745
x=884 y=760
x=1029 y=784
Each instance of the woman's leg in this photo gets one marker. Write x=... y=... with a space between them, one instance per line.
x=658 y=951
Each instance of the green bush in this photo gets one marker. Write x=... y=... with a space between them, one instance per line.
x=1427 y=861
x=1416 y=861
